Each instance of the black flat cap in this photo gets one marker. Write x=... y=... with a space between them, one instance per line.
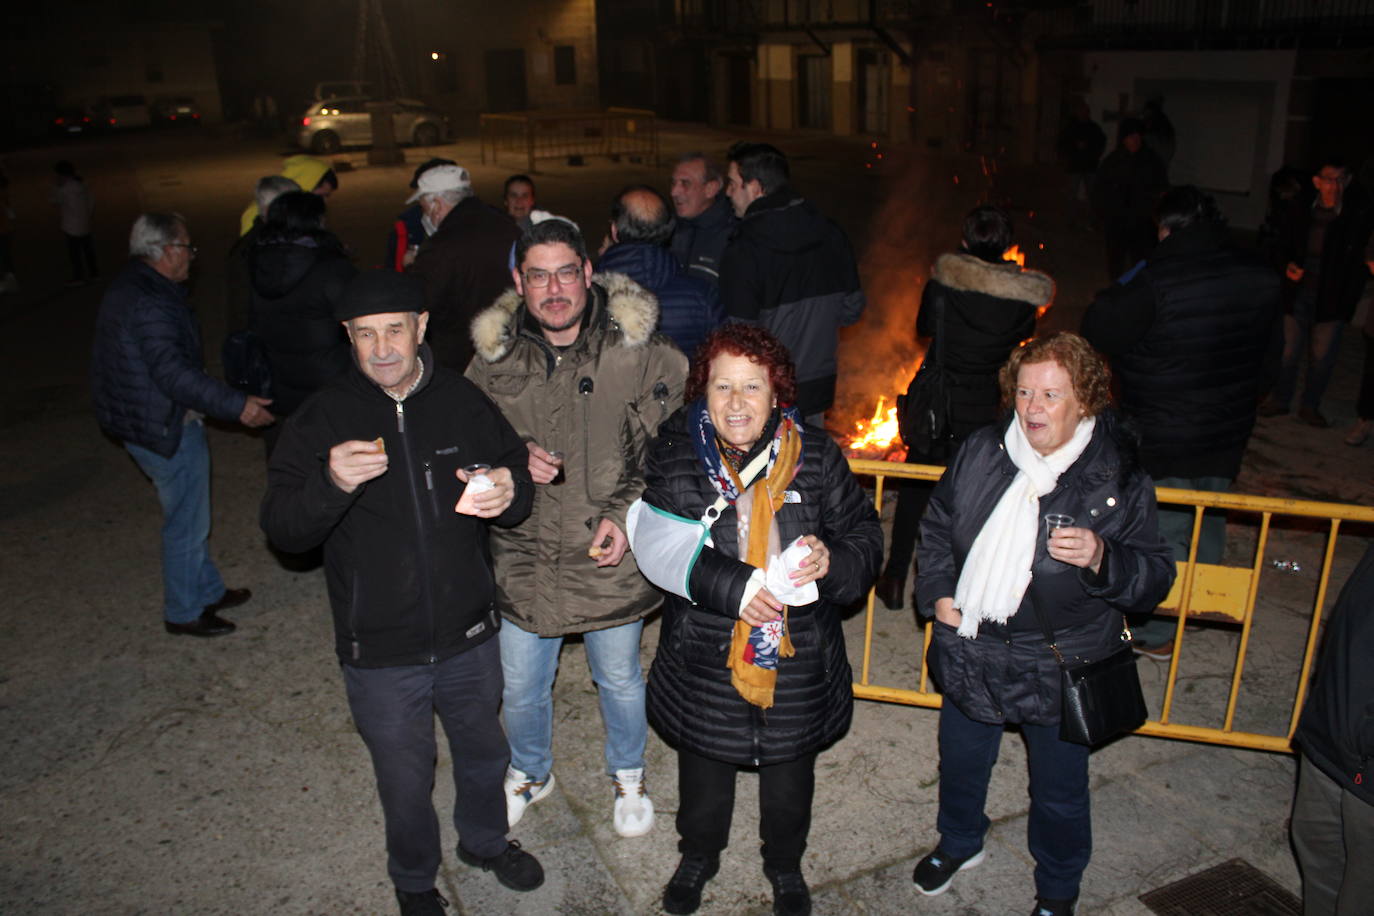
x=378 y=292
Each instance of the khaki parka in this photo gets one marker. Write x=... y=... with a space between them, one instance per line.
x=600 y=402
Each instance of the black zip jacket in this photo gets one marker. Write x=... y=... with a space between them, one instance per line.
x=409 y=579
x=1337 y=727
x=691 y=701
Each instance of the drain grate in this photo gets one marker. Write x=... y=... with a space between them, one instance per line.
x=1234 y=888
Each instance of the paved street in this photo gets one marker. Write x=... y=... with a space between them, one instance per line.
x=147 y=774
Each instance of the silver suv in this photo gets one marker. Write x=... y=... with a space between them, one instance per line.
x=330 y=124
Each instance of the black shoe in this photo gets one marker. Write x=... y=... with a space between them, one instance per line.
x=790 y=894
x=207 y=624
x=232 y=597
x=1044 y=906
x=425 y=903
x=935 y=871
x=513 y=867
x=889 y=590
x=683 y=893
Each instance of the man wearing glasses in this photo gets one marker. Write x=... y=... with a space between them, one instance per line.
x=573 y=361
x=151 y=393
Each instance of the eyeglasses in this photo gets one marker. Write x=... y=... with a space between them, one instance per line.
x=189 y=247
x=566 y=274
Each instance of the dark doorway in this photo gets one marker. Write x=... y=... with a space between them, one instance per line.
x=506 y=80
x=689 y=77
x=871 y=64
x=992 y=85
x=739 y=108
x=813 y=91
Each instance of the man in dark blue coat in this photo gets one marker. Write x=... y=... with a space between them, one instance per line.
x=151 y=393
x=705 y=218
x=641 y=225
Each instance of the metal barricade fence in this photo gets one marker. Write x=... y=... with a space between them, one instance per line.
x=1201 y=591
x=529 y=135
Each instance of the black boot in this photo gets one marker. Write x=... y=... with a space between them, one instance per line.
x=683 y=893
x=791 y=897
x=889 y=589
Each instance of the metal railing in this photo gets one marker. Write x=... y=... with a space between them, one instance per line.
x=531 y=135
x=1201 y=592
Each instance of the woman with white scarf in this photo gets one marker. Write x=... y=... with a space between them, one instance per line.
x=1049 y=514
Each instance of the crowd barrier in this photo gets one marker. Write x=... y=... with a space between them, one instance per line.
x=1201 y=592
x=531 y=136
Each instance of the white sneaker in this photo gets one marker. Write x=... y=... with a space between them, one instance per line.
x=521 y=792
x=634 y=811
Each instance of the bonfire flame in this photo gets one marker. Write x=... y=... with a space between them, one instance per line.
x=878 y=434
x=1014 y=253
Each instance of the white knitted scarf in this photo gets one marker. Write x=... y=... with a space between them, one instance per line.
x=997 y=570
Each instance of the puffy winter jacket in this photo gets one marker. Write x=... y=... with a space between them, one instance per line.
x=296 y=283
x=690 y=699
x=792 y=270
x=147 y=368
x=408 y=578
x=688 y=308
x=1008 y=674
x=699 y=242
x=1337 y=727
x=598 y=401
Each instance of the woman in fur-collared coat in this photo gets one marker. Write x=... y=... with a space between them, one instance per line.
x=989 y=306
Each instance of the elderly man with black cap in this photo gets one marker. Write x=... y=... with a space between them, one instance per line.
x=464 y=261
x=398 y=468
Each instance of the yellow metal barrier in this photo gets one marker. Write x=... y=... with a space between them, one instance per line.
x=1201 y=591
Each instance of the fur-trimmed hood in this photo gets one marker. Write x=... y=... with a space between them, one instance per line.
x=1005 y=281
x=617 y=302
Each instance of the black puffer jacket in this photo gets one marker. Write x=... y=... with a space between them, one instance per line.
x=1337 y=727
x=690 y=699
x=296 y=282
x=1008 y=674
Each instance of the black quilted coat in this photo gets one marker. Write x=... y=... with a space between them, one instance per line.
x=690 y=700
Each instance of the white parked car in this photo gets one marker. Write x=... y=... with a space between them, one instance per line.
x=329 y=124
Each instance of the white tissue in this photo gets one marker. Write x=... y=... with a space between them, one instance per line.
x=780 y=584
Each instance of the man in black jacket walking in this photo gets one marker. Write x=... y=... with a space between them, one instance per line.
x=1193 y=336
x=790 y=269
x=1333 y=813
x=397 y=467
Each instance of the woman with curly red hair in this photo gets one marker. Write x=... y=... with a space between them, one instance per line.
x=751 y=667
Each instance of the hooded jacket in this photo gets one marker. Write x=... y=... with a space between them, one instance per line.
x=691 y=701
x=988 y=310
x=599 y=401
x=1336 y=731
x=304 y=170
x=792 y=270
x=296 y=283
x=699 y=243
x=147 y=368
x=409 y=580
x=1008 y=674
x=688 y=308
x=1192 y=337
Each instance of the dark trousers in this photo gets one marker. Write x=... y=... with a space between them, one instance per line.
x=81 y=250
x=706 y=805
x=394 y=710
x=1333 y=836
x=912 y=497
x=1060 y=824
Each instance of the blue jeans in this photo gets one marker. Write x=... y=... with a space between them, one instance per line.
x=530 y=662
x=394 y=711
x=1322 y=340
x=190 y=580
x=1059 y=829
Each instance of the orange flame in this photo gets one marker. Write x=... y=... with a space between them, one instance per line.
x=1014 y=253
x=878 y=434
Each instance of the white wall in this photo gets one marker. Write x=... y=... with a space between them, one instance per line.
x=1229 y=110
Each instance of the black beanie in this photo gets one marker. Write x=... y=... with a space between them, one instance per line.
x=378 y=292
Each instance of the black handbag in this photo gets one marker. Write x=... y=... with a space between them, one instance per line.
x=923 y=412
x=1100 y=699
x=245 y=364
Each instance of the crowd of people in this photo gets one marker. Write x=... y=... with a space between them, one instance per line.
x=501 y=439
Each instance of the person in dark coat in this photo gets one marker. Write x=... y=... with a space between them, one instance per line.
x=1325 y=251
x=1080 y=147
x=299 y=271
x=464 y=263
x=641 y=224
x=1333 y=811
x=782 y=498
x=1194 y=337
x=411 y=228
x=238 y=281
x=990 y=573
x=987 y=306
x=789 y=269
x=1125 y=189
x=705 y=219
x=151 y=392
